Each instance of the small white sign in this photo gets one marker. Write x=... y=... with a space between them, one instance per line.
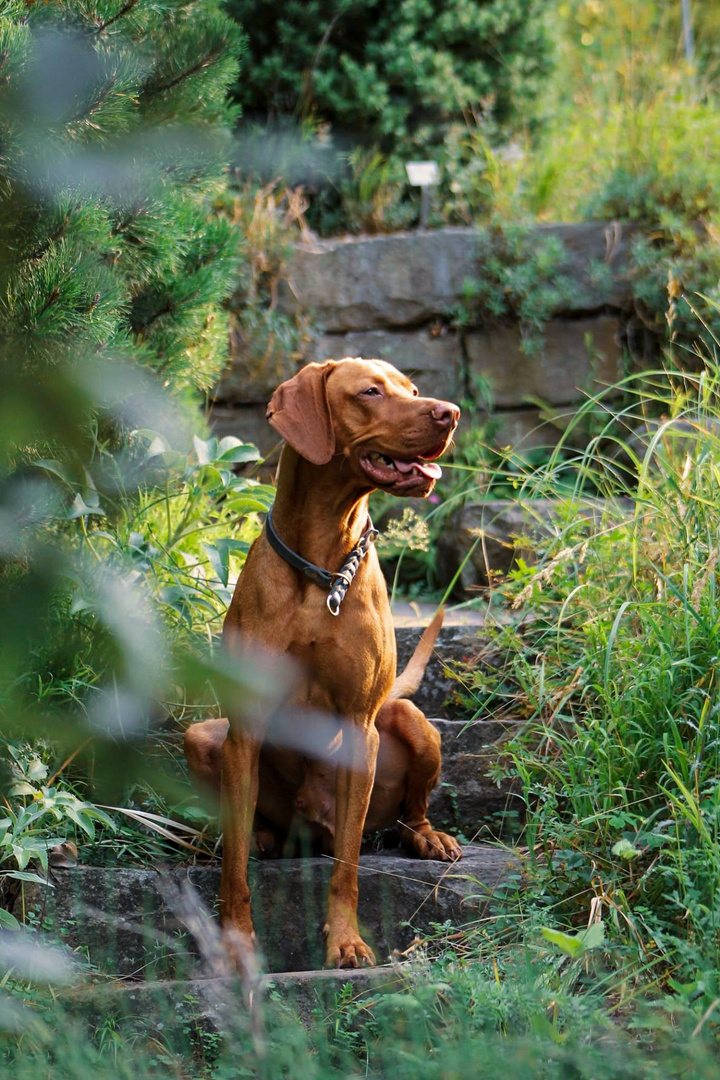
x=423 y=173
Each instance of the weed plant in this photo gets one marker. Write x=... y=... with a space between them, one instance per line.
x=614 y=672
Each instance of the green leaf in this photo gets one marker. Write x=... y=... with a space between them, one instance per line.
x=195 y=813
x=566 y=943
x=27 y=875
x=79 y=603
x=209 y=478
x=81 y=820
x=22 y=855
x=219 y=555
x=542 y=1026
x=90 y=495
x=574 y=945
x=57 y=469
x=205 y=450
x=237 y=454
x=37 y=769
x=625 y=850
x=156 y=444
x=167 y=459
x=80 y=508
x=8 y=921
x=594 y=936
x=22 y=788
x=247 y=504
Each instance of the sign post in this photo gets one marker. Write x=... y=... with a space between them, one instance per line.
x=423 y=174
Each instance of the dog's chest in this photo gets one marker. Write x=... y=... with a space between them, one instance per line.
x=348 y=662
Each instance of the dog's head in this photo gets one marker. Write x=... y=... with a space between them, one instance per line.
x=368 y=414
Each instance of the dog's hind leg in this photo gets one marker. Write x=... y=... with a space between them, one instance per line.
x=406 y=723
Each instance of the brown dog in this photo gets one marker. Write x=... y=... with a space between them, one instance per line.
x=350 y=426
x=408 y=769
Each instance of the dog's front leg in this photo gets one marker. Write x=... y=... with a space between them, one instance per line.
x=353 y=786
x=238 y=798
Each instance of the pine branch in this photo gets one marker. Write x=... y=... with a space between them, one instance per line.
x=118 y=15
x=97 y=104
x=52 y=239
x=144 y=327
x=53 y=298
x=205 y=62
x=127 y=221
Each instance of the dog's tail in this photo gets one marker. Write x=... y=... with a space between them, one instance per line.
x=408 y=680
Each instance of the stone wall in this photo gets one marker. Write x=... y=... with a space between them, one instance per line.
x=389 y=297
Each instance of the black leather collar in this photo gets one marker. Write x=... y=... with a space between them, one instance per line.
x=336 y=584
x=321 y=577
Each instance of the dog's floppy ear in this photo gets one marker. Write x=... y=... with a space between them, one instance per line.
x=299 y=411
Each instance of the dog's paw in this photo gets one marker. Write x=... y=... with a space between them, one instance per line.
x=240 y=952
x=265 y=844
x=430 y=844
x=347 y=950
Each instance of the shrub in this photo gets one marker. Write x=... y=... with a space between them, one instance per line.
x=521 y=278
x=393 y=74
x=269 y=219
x=115 y=139
x=114 y=126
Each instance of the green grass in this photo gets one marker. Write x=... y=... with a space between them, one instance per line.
x=616 y=676
x=516 y=1011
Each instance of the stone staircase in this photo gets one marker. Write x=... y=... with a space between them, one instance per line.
x=132 y=923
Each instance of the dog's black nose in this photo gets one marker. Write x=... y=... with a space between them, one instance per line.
x=444 y=414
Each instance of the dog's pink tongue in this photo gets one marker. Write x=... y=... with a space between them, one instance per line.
x=428 y=468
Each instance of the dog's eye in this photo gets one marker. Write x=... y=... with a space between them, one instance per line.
x=372 y=391
x=415 y=391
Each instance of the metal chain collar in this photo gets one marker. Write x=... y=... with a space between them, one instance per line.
x=344 y=577
x=336 y=584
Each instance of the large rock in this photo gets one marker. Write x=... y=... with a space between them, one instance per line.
x=526 y=429
x=127 y=924
x=453 y=643
x=500 y=531
x=432 y=359
x=578 y=355
x=250 y=377
x=411 y=278
x=467 y=798
x=362 y=284
x=597 y=257
x=469 y=801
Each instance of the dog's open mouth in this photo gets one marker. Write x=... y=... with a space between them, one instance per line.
x=386 y=471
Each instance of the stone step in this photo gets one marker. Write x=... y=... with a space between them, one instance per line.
x=454 y=643
x=467 y=800
x=128 y=921
x=218 y=1004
